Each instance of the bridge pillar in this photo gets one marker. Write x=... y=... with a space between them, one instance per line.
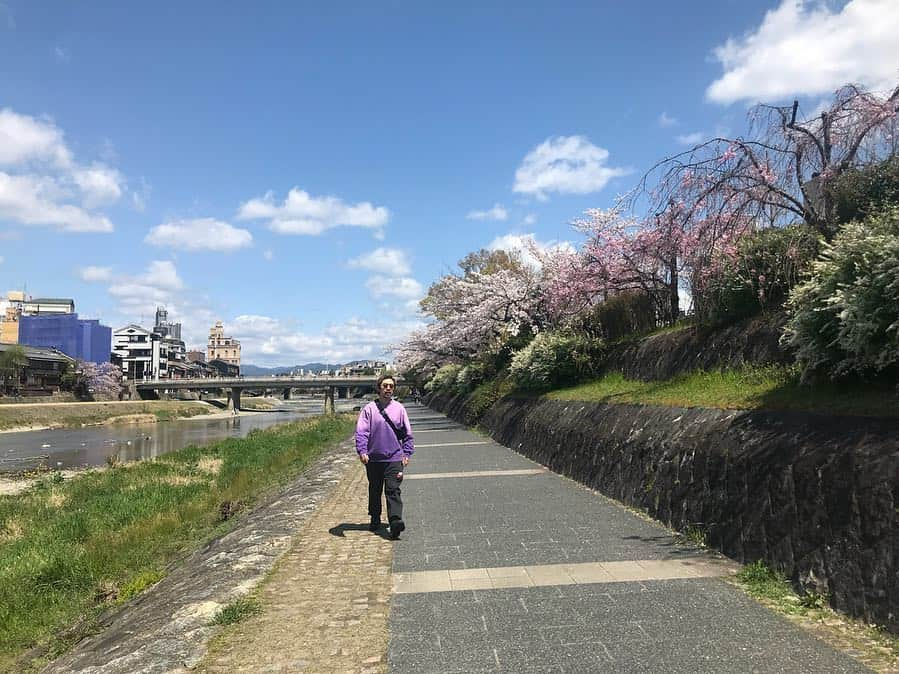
x=329 y=400
x=234 y=399
x=287 y=393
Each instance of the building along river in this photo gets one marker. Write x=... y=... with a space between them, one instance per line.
x=97 y=445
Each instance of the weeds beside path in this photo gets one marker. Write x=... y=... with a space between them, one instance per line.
x=71 y=549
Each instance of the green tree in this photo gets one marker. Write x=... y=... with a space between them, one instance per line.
x=862 y=192
x=12 y=361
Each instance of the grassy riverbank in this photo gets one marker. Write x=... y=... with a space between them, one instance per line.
x=75 y=415
x=69 y=549
x=749 y=388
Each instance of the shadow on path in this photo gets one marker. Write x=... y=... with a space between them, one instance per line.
x=339 y=530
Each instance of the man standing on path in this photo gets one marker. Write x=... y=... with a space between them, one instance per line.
x=384 y=444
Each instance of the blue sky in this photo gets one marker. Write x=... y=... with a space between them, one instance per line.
x=303 y=171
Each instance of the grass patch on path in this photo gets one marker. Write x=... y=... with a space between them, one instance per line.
x=70 y=549
x=237 y=611
x=771 y=388
x=870 y=644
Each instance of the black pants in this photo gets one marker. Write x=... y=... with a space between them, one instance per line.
x=382 y=476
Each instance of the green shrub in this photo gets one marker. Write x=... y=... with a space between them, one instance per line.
x=483 y=397
x=845 y=318
x=768 y=264
x=444 y=379
x=470 y=376
x=621 y=315
x=859 y=193
x=555 y=359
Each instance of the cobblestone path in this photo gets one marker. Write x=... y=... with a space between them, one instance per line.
x=325 y=605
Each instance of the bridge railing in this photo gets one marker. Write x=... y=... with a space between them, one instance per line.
x=272 y=382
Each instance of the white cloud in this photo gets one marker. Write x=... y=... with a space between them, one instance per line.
x=94 y=274
x=141 y=196
x=253 y=325
x=99 y=184
x=1 y=259
x=268 y=255
x=137 y=296
x=521 y=244
x=386 y=260
x=140 y=295
x=25 y=139
x=405 y=288
x=665 y=120
x=690 y=138
x=62 y=54
x=565 y=164
x=495 y=213
x=269 y=341
x=199 y=234
x=805 y=48
x=43 y=185
x=529 y=219
x=35 y=200
x=301 y=213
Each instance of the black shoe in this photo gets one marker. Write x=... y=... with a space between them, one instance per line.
x=396 y=528
x=375 y=524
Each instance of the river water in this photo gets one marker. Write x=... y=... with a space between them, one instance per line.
x=73 y=448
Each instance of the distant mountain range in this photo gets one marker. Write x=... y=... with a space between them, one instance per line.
x=256 y=371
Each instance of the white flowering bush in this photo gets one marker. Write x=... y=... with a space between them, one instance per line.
x=845 y=319
x=444 y=379
x=553 y=359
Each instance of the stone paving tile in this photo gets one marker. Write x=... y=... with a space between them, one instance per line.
x=683 y=626
x=326 y=602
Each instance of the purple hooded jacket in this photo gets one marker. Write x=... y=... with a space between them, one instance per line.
x=377 y=439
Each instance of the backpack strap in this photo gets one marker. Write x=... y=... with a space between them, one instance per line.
x=400 y=435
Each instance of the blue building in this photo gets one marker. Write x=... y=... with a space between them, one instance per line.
x=81 y=339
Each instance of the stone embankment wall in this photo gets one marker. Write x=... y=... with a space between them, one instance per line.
x=816 y=497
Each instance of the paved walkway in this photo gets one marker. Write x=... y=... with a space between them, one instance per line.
x=506 y=567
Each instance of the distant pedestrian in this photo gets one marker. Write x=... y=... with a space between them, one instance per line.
x=384 y=444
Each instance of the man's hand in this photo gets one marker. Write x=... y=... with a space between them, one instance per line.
x=364 y=458
x=405 y=460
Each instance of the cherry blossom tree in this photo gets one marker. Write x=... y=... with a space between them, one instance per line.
x=493 y=298
x=779 y=173
x=702 y=201
x=103 y=380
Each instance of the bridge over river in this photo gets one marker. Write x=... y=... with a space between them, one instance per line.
x=344 y=386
